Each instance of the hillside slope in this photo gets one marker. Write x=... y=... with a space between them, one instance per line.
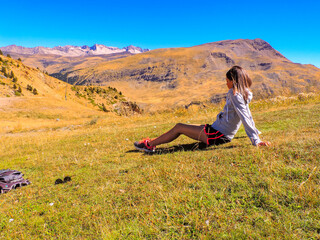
x=180 y=75
x=37 y=90
x=14 y=75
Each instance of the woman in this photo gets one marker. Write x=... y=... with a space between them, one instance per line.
x=235 y=112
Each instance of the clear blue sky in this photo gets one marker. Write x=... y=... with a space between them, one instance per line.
x=291 y=27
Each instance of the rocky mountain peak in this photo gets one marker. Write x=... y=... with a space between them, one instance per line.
x=133 y=49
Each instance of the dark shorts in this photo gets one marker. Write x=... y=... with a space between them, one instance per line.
x=214 y=136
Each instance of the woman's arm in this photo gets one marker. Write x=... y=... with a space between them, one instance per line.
x=246 y=118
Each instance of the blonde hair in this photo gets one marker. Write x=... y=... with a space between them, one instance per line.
x=241 y=81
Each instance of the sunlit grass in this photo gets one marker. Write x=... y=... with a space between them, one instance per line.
x=231 y=191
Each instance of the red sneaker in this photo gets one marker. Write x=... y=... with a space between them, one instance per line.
x=143 y=145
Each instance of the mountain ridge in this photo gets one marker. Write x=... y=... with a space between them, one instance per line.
x=72 y=51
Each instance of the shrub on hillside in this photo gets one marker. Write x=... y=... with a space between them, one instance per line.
x=29 y=87
x=8 y=55
x=17 y=93
x=104 y=108
x=35 y=92
x=15 y=79
x=1 y=53
x=11 y=74
x=4 y=70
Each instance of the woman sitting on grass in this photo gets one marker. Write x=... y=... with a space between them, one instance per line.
x=228 y=121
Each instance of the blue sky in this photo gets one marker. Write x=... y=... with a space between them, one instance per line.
x=291 y=27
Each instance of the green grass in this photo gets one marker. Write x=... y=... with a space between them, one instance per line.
x=232 y=191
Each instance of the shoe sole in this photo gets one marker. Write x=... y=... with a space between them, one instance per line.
x=144 y=149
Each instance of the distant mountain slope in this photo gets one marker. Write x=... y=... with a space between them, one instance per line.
x=72 y=51
x=58 y=65
x=178 y=76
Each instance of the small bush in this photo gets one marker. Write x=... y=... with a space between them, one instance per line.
x=4 y=70
x=35 y=92
x=29 y=87
x=104 y=108
x=93 y=121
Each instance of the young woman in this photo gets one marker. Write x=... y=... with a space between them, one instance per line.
x=235 y=112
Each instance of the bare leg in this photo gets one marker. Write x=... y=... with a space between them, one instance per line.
x=191 y=131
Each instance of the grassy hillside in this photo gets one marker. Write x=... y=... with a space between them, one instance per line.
x=233 y=191
x=38 y=91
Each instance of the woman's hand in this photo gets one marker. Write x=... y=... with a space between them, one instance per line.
x=266 y=143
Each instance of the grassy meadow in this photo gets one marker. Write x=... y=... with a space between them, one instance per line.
x=183 y=191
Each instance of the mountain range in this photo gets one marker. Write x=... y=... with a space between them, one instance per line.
x=72 y=51
x=177 y=76
x=170 y=77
